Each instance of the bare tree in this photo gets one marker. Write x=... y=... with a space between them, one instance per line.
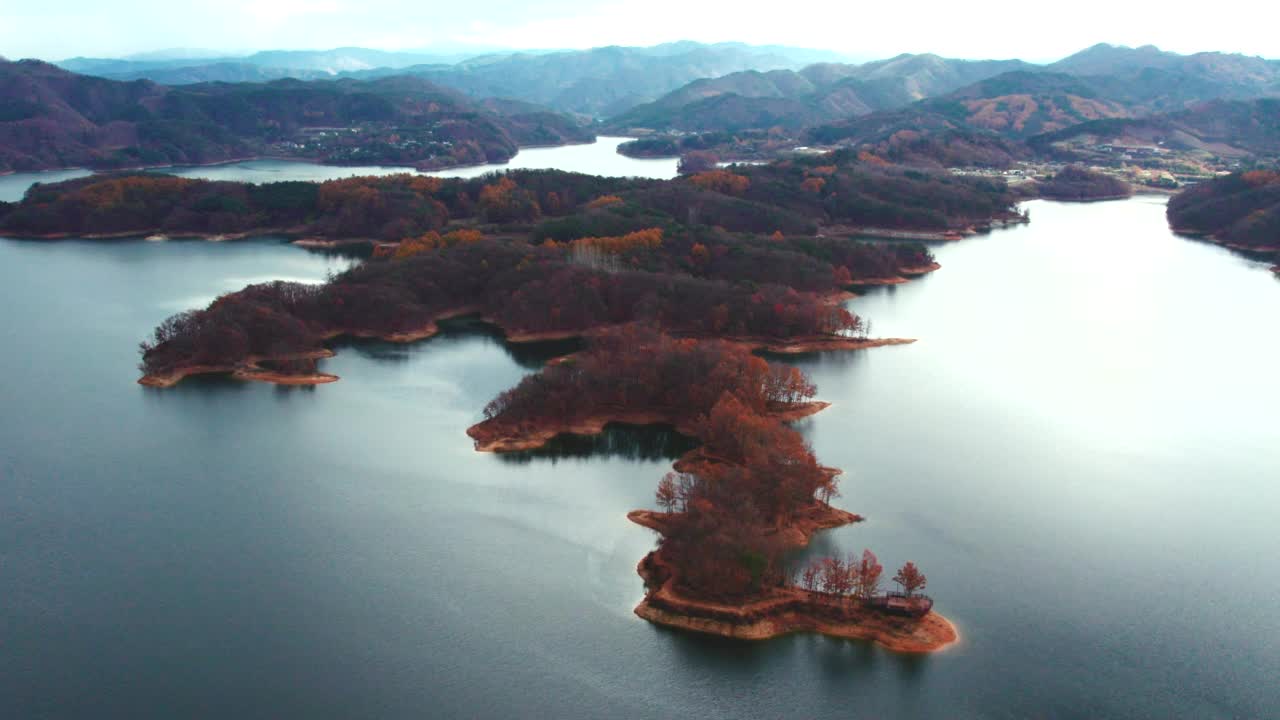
x=668 y=495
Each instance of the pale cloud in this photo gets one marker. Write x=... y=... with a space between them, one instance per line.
x=974 y=29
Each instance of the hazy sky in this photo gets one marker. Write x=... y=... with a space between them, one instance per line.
x=57 y=29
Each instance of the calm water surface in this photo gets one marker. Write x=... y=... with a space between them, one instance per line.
x=598 y=158
x=1081 y=452
x=14 y=185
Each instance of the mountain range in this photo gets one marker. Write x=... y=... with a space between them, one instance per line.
x=1010 y=96
x=596 y=82
x=911 y=108
x=54 y=118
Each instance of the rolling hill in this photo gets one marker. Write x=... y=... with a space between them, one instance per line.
x=813 y=95
x=1230 y=128
x=54 y=118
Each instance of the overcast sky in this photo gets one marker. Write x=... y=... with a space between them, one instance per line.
x=58 y=29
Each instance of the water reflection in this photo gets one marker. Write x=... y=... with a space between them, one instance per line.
x=352 y=251
x=630 y=442
x=284 y=393
x=836 y=657
x=744 y=658
x=532 y=355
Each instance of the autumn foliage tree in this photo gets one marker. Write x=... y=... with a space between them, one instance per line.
x=910 y=579
x=504 y=201
x=697 y=161
x=604 y=201
x=721 y=181
x=866 y=575
x=857 y=577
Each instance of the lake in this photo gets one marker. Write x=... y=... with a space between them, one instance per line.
x=1081 y=452
x=599 y=158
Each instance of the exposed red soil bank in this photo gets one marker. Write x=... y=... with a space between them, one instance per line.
x=496 y=436
x=818 y=343
x=251 y=369
x=783 y=611
x=920 y=269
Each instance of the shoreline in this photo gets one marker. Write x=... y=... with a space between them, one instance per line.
x=918 y=270
x=490 y=437
x=929 y=634
x=822 y=343
x=951 y=234
x=784 y=611
x=154 y=235
x=1100 y=198
x=249 y=370
x=419 y=168
x=1213 y=238
x=429 y=329
x=898 y=234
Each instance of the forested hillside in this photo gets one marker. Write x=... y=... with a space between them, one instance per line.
x=53 y=118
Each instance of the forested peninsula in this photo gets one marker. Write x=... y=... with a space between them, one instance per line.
x=1241 y=211
x=755 y=255
x=737 y=504
x=540 y=254
x=671 y=284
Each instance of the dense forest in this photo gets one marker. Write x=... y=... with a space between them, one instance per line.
x=794 y=197
x=1077 y=183
x=524 y=289
x=1241 y=210
x=603 y=252
x=721 y=253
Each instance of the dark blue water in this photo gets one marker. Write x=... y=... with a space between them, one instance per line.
x=1081 y=452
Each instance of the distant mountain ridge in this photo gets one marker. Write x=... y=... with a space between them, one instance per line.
x=605 y=81
x=664 y=84
x=596 y=82
x=331 y=62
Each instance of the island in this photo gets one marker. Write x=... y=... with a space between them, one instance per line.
x=1076 y=183
x=736 y=504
